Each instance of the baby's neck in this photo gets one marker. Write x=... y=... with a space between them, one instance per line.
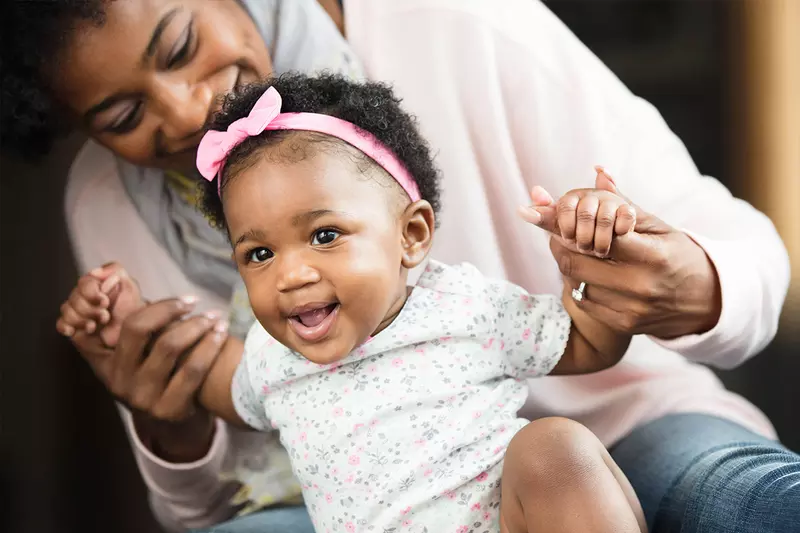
x=394 y=310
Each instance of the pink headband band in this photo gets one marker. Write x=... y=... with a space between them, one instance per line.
x=266 y=115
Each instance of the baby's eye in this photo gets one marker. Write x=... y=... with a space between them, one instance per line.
x=259 y=255
x=324 y=236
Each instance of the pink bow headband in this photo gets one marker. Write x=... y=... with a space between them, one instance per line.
x=266 y=115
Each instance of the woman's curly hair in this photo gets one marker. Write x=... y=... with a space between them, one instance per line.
x=371 y=106
x=33 y=35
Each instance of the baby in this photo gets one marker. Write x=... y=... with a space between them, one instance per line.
x=397 y=404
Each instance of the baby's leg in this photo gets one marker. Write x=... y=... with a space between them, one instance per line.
x=559 y=477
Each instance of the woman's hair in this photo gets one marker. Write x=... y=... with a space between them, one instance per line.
x=33 y=35
x=370 y=106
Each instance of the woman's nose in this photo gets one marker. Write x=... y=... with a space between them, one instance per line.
x=184 y=108
x=296 y=274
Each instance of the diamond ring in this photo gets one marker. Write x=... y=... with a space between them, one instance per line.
x=577 y=294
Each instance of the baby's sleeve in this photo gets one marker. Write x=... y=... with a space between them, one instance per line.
x=532 y=330
x=247 y=390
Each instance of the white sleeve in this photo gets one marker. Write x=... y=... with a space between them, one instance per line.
x=248 y=395
x=532 y=330
x=104 y=226
x=539 y=108
x=587 y=116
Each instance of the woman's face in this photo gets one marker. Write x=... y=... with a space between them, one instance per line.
x=144 y=83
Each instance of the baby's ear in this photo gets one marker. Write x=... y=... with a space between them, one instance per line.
x=418 y=222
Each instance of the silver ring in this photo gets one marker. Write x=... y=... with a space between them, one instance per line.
x=577 y=294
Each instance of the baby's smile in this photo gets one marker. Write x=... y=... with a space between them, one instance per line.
x=313 y=321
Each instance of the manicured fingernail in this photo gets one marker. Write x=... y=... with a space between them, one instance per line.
x=105 y=316
x=220 y=330
x=110 y=283
x=212 y=315
x=69 y=331
x=608 y=174
x=96 y=272
x=542 y=192
x=91 y=327
x=529 y=214
x=188 y=300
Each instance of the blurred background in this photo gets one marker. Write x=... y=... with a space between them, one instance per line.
x=724 y=73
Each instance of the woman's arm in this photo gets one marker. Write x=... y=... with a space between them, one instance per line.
x=187 y=491
x=533 y=106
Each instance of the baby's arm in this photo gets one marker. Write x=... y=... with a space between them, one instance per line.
x=591 y=219
x=592 y=346
x=231 y=391
x=216 y=394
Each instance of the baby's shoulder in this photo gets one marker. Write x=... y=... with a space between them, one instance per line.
x=461 y=280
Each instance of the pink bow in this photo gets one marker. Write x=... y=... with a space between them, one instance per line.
x=216 y=145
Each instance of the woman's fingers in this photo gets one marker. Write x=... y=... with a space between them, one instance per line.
x=585 y=222
x=138 y=330
x=543 y=217
x=160 y=363
x=178 y=399
x=614 y=276
x=541 y=212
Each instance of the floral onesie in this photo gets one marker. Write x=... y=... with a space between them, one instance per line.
x=408 y=432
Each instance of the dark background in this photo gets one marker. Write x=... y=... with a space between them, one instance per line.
x=66 y=465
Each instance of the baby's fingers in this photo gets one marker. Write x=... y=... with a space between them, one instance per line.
x=97 y=313
x=604 y=228
x=71 y=321
x=626 y=219
x=93 y=290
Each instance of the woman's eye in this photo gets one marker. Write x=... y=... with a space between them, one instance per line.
x=259 y=255
x=324 y=236
x=128 y=121
x=181 y=50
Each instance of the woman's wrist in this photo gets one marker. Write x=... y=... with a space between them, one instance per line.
x=699 y=296
x=186 y=441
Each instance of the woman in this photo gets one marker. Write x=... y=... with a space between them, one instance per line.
x=511 y=99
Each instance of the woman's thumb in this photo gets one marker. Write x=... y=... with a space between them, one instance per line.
x=104 y=272
x=604 y=181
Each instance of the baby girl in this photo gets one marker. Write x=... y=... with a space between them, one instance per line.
x=397 y=403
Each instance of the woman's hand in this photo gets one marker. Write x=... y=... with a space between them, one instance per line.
x=655 y=280
x=156 y=369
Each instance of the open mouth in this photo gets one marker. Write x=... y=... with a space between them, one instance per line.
x=312 y=322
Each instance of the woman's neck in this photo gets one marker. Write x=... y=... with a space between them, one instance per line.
x=334 y=10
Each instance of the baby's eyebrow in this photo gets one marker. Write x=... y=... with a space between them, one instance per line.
x=251 y=234
x=310 y=216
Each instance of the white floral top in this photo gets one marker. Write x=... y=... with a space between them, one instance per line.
x=409 y=431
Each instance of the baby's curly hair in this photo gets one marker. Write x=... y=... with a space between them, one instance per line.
x=371 y=106
x=33 y=34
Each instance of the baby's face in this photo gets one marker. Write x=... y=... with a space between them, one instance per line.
x=320 y=249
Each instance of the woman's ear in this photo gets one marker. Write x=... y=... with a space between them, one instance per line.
x=418 y=222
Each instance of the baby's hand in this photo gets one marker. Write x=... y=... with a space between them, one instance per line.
x=99 y=303
x=590 y=218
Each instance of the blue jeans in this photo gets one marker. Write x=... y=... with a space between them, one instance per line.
x=697 y=473
x=281 y=520
x=693 y=473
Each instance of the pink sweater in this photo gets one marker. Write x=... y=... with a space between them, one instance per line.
x=509 y=98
